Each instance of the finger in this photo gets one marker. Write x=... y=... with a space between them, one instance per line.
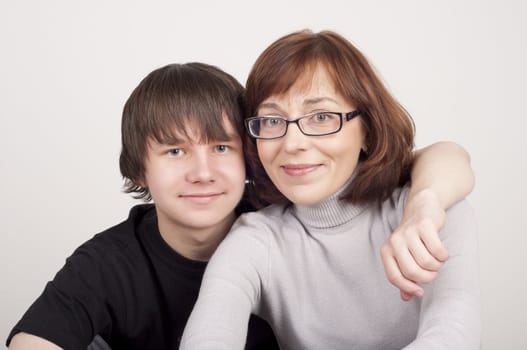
x=423 y=257
x=411 y=270
x=433 y=244
x=396 y=278
x=405 y=296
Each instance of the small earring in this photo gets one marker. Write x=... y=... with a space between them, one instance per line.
x=249 y=181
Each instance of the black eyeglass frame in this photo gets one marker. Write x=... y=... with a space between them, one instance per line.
x=349 y=116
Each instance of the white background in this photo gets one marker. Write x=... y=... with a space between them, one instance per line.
x=67 y=67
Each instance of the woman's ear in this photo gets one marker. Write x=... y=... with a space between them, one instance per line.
x=364 y=149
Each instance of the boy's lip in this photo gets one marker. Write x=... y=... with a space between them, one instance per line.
x=202 y=198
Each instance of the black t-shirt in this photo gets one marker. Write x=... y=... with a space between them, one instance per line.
x=127 y=285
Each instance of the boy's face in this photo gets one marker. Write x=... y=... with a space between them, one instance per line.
x=195 y=186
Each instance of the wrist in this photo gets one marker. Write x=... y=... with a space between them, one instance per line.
x=423 y=195
x=424 y=203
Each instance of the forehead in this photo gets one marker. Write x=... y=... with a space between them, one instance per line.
x=198 y=132
x=318 y=81
x=312 y=79
x=312 y=87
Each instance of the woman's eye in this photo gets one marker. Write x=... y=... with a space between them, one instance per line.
x=272 y=122
x=321 y=117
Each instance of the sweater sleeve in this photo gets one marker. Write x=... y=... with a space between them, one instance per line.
x=450 y=307
x=230 y=290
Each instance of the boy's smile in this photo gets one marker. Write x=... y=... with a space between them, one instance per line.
x=195 y=187
x=202 y=198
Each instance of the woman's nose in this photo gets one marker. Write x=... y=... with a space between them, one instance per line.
x=294 y=140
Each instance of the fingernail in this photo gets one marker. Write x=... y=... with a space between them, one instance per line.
x=419 y=293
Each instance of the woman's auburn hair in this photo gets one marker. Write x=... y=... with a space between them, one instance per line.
x=390 y=130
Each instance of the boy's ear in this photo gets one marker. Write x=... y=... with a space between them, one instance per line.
x=140 y=182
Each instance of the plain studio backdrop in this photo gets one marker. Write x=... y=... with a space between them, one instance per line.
x=67 y=67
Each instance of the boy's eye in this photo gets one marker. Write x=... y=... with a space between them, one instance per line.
x=174 y=152
x=221 y=148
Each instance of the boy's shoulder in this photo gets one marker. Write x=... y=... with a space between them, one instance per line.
x=122 y=238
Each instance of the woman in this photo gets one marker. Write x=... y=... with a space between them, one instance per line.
x=332 y=149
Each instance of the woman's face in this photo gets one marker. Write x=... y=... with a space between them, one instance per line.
x=309 y=169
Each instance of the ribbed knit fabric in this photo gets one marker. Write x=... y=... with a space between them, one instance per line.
x=315 y=273
x=328 y=214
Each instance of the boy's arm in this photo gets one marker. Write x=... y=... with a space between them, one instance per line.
x=73 y=306
x=444 y=168
x=450 y=310
x=441 y=176
x=25 y=341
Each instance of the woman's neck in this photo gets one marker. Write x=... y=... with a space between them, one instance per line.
x=330 y=212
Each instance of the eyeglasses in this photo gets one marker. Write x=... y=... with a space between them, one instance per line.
x=315 y=124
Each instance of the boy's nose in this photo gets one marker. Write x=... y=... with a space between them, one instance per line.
x=201 y=169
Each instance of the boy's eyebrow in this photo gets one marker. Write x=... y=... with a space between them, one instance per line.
x=230 y=137
x=172 y=140
x=167 y=138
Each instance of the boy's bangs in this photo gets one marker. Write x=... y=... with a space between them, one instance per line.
x=199 y=124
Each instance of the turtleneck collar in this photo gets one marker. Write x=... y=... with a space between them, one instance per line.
x=331 y=212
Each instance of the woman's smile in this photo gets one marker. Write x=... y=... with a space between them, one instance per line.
x=300 y=169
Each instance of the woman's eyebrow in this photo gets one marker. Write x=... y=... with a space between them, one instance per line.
x=307 y=102
x=317 y=100
x=269 y=105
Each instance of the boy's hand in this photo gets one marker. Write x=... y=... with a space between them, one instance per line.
x=414 y=253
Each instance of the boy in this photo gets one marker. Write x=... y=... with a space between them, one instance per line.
x=135 y=284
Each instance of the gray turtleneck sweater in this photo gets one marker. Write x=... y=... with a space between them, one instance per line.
x=316 y=275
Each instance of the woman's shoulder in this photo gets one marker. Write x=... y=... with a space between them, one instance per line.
x=461 y=219
x=263 y=226
x=270 y=215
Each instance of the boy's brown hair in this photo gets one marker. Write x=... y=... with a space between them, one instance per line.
x=173 y=98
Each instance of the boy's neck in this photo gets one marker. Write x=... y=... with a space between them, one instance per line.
x=195 y=243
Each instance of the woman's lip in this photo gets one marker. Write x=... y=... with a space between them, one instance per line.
x=299 y=169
